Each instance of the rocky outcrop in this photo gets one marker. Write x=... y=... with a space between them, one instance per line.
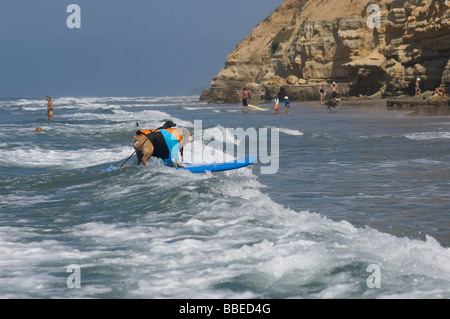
x=307 y=43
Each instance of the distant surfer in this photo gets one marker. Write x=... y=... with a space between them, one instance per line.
x=245 y=100
x=39 y=129
x=49 y=109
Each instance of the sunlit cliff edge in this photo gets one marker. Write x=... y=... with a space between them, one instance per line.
x=307 y=43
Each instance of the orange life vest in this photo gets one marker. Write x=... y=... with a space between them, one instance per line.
x=145 y=132
x=175 y=133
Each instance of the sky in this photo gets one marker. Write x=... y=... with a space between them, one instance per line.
x=122 y=48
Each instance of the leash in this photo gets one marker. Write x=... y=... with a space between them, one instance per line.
x=133 y=153
x=127 y=159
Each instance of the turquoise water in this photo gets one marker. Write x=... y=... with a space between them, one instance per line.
x=353 y=189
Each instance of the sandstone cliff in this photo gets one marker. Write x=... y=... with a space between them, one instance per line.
x=307 y=43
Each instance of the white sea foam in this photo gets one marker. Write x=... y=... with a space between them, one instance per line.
x=260 y=244
x=25 y=200
x=297 y=249
x=289 y=131
x=92 y=103
x=428 y=136
x=63 y=159
x=197 y=108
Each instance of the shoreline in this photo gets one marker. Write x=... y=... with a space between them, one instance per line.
x=409 y=105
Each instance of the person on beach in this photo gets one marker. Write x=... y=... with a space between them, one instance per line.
x=245 y=100
x=277 y=105
x=334 y=90
x=418 y=90
x=323 y=94
x=287 y=104
x=249 y=93
x=49 y=109
x=441 y=92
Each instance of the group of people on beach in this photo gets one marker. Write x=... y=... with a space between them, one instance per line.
x=439 y=90
x=247 y=94
x=334 y=90
x=287 y=104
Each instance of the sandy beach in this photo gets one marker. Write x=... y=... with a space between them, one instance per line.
x=408 y=106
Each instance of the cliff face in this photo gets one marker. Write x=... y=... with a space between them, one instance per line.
x=307 y=43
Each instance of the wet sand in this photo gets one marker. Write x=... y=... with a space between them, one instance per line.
x=382 y=105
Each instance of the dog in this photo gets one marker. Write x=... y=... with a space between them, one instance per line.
x=39 y=129
x=164 y=143
x=331 y=104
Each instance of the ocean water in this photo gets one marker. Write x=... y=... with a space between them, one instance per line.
x=358 y=205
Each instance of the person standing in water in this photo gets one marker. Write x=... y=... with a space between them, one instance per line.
x=245 y=100
x=334 y=91
x=417 y=88
x=277 y=104
x=287 y=104
x=322 y=93
x=49 y=109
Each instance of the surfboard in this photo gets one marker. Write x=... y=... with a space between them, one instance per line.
x=218 y=167
x=257 y=108
x=208 y=167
